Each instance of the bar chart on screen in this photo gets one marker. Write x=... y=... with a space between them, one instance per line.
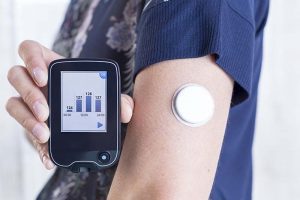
x=83 y=101
x=86 y=105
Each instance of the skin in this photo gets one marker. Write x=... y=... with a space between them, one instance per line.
x=30 y=108
x=161 y=157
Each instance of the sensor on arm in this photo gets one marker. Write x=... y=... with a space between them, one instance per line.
x=193 y=105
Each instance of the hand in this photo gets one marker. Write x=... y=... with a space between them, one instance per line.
x=31 y=109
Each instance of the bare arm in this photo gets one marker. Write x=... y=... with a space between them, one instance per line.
x=162 y=158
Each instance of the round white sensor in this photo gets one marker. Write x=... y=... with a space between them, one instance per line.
x=193 y=105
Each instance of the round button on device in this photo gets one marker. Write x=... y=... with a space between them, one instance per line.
x=193 y=105
x=104 y=157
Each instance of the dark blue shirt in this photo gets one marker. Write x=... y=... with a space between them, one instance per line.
x=137 y=34
x=233 y=31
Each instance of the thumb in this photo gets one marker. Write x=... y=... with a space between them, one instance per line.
x=127 y=106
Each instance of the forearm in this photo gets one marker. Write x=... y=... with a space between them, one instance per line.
x=163 y=158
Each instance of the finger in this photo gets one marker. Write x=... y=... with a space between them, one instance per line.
x=44 y=156
x=47 y=162
x=42 y=150
x=127 y=106
x=19 y=111
x=31 y=94
x=37 y=58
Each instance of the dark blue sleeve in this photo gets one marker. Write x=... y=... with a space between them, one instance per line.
x=176 y=29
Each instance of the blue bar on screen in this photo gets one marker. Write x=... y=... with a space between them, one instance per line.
x=88 y=103
x=98 y=105
x=78 y=105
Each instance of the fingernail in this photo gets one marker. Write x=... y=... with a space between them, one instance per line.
x=40 y=132
x=129 y=103
x=44 y=158
x=39 y=75
x=49 y=164
x=40 y=110
x=129 y=108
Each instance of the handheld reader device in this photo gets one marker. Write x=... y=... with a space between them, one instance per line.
x=84 y=121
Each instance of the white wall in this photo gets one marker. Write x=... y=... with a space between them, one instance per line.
x=21 y=173
x=277 y=142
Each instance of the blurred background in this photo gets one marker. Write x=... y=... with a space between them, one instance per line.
x=277 y=140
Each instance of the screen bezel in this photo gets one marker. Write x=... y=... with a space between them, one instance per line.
x=69 y=148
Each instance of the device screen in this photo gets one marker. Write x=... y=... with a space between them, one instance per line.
x=84 y=101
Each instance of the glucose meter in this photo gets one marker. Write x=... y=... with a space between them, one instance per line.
x=84 y=121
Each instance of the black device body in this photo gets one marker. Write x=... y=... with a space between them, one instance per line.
x=84 y=149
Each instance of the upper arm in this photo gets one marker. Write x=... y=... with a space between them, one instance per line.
x=162 y=154
x=163 y=158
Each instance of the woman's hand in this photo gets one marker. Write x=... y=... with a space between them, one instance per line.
x=30 y=109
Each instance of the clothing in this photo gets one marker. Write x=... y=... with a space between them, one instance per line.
x=139 y=33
